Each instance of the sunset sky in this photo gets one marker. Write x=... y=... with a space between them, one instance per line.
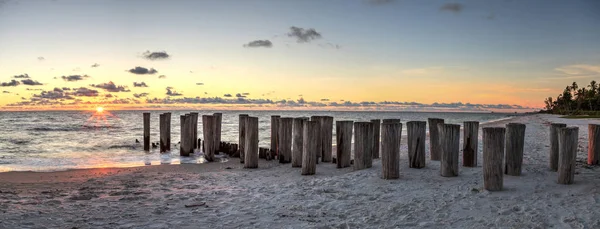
x=323 y=51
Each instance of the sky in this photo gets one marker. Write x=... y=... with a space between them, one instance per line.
x=69 y=54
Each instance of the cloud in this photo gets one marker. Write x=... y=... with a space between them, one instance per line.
x=41 y=58
x=95 y=65
x=108 y=96
x=324 y=100
x=31 y=82
x=12 y=83
x=111 y=87
x=23 y=76
x=227 y=95
x=303 y=35
x=259 y=43
x=6 y=92
x=330 y=45
x=379 y=2
x=140 y=84
x=200 y=84
x=239 y=95
x=246 y=93
x=172 y=92
x=156 y=55
x=86 y=92
x=162 y=76
x=579 y=70
x=452 y=7
x=143 y=71
x=66 y=89
x=140 y=95
x=73 y=78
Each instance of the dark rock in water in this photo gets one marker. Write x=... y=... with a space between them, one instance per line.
x=228 y=168
x=137 y=141
x=154 y=146
x=334 y=160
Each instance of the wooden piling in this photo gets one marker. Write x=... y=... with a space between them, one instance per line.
x=362 y=145
x=274 y=134
x=343 y=136
x=218 y=125
x=327 y=138
x=309 y=148
x=168 y=130
x=285 y=140
x=162 y=125
x=297 y=141
x=194 y=127
x=391 y=120
x=493 y=154
x=450 y=144
x=567 y=154
x=184 y=149
x=208 y=131
x=319 y=141
x=390 y=150
x=146 y=131
x=593 y=141
x=434 y=138
x=251 y=148
x=515 y=140
x=376 y=137
x=554 y=144
x=416 y=143
x=470 y=143
x=242 y=135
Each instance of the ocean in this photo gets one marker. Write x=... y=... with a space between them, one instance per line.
x=62 y=140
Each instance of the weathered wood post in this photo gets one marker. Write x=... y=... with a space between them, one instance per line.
x=194 y=126
x=218 y=125
x=593 y=144
x=285 y=140
x=242 y=135
x=470 y=143
x=450 y=145
x=208 y=131
x=390 y=150
x=146 y=131
x=191 y=131
x=376 y=137
x=343 y=136
x=319 y=141
x=327 y=138
x=168 y=130
x=493 y=154
x=251 y=148
x=297 y=141
x=567 y=154
x=554 y=144
x=274 y=134
x=162 y=126
x=434 y=138
x=184 y=136
x=515 y=140
x=362 y=144
x=391 y=120
x=309 y=148
x=416 y=143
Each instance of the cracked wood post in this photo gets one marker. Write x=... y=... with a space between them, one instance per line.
x=285 y=140
x=310 y=141
x=515 y=140
x=162 y=126
x=297 y=141
x=251 y=148
x=194 y=126
x=434 y=138
x=450 y=145
x=593 y=147
x=376 y=137
x=218 y=125
x=554 y=144
x=242 y=135
x=184 y=136
x=416 y=143
x=343 y=136
x=390 y=150
x=493 y=154
x=327 y=138
x=208 y=130
x=362 y=145
x=146 y=131
x=567 y=154
x=274 y=134
x=168 y=131
x=319 y=141
x=470 y=143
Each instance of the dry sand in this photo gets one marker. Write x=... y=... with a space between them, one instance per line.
x=277 y=196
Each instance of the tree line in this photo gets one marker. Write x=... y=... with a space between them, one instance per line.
x=575 y=100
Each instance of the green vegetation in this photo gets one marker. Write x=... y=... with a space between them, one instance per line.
x=576 y=102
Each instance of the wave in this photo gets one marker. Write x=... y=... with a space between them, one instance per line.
x=19 y=141
x=52 y=129
x=71 y=128
x=122 y=147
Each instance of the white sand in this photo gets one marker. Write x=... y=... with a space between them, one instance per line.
x=277 y=196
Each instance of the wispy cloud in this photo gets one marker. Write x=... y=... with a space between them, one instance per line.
x=200 y=84
x=579 y=70
x=452 y=7
x=140 y=84
x=162 y=77
x=31 y=82
x=259 y=43
x=95 y=65
x=156 y=55
x=303 y=35
x=22 y=76
x=140 y=95
x=73 y=78
x=110 y=87
x=41 y=58
x=171 y=92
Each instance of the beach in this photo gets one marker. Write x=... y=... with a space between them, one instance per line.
x=225 y=195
